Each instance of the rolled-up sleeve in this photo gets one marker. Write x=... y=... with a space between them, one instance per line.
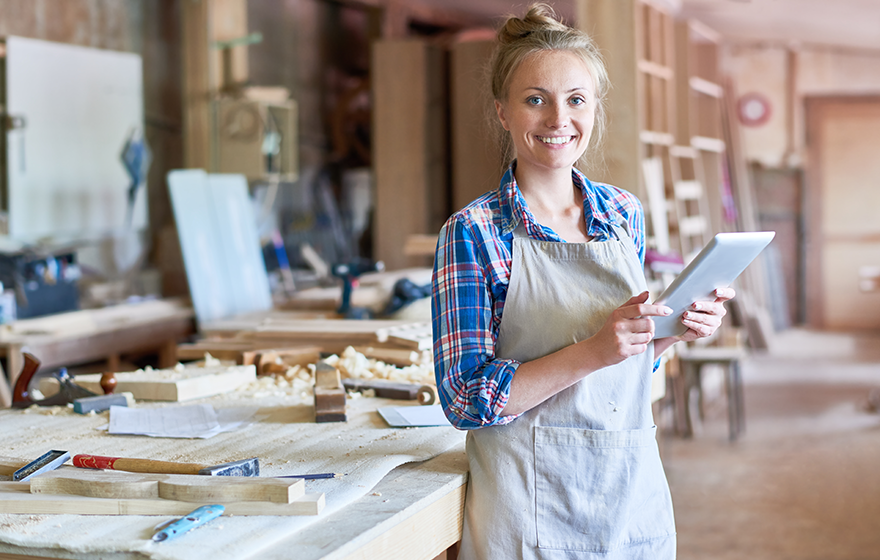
x=472 y=385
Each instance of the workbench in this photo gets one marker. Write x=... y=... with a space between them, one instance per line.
x=412 y=511
x=80 y=337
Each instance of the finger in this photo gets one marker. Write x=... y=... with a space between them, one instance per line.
x=724 y=294
x=637 y=299
x=647 y=310
x=702 y=323
x=710 y=308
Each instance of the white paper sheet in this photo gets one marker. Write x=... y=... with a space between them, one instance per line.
x=192 y=421
x=413 y=416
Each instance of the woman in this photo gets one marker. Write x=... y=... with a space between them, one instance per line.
x=543 y=341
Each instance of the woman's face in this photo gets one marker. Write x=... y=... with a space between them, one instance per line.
x=549 y=110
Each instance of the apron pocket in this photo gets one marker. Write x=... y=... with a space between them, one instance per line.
x=599 y=490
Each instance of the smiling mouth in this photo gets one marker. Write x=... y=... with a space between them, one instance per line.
x=556 y=139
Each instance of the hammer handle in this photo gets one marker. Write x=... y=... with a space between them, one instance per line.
x=134 y=465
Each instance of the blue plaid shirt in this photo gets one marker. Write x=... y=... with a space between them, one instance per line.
x=471 y=275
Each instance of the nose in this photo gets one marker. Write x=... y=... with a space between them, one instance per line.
x=557 y=116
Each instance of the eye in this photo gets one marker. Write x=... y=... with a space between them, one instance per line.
x=578 y=100
x=534 y=100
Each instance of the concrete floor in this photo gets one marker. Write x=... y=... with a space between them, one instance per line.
x=803 y=482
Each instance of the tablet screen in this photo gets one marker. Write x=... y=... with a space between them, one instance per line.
x=717 y=266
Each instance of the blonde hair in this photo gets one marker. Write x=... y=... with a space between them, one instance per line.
x=541 y=30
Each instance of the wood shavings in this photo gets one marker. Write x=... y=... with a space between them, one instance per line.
x=354 y=364
x=297 y=382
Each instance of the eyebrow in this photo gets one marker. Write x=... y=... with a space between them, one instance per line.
x=542 y=90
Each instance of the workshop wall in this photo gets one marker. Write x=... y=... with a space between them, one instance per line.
x=783 y=77
x=105 y=25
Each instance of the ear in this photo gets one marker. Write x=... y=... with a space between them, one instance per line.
x=499 y=109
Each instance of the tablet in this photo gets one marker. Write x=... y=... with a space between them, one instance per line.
x=717 y=266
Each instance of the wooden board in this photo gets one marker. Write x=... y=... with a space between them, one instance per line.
x=182 y=488
x=418 y=336
x=16 y=497
x=168 y=385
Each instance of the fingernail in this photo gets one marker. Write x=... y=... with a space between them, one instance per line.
x=666 y=310
x=697 y=307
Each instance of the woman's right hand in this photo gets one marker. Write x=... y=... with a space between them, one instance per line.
x=628 y=330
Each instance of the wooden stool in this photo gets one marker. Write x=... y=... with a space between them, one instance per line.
x=692 y=361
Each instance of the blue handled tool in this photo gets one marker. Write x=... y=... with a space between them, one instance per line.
x=190 y=521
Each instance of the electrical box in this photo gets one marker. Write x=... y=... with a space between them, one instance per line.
x=256 y=138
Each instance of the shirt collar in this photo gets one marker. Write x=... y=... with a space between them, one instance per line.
x=514 y=209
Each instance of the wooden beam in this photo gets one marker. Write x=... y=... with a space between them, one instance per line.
x=612 y=25
x=197 y=79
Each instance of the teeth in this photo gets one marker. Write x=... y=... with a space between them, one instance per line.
x=555 y=139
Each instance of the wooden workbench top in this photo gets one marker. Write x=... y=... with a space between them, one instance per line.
x=408 y=480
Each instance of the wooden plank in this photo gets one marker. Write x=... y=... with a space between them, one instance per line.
x=169 y=385
x=477 y=162
x=15 y=497
x=409 y=142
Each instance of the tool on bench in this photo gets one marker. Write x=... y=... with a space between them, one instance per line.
x=68 y=390
x=329 y=394
x=189 y=521
x=349 y=273
x=425 y=394
x=245 y=467
x=45 y=463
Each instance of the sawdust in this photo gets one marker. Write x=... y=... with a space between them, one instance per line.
x=23 y=523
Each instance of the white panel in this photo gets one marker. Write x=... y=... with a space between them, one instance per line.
x=237 y=236
x=66 y=178
x=220 y=245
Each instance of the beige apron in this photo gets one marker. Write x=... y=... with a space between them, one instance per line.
x=579 y=476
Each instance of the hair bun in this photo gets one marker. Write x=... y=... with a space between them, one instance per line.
x=540 y=17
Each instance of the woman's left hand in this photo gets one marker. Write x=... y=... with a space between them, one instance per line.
x=704 y=317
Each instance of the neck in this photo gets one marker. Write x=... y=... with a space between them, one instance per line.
x=552 y=191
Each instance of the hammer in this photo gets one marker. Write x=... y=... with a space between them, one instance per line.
x=245 y=467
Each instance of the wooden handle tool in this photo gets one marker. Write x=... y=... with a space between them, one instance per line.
x=246 y=467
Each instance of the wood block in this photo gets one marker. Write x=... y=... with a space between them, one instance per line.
x=329 y=394
x=182 y=488
x=166 y=384
x=266 y=360
x=15 y=497
x=8 y=465
x=326 y=399
x=327 y=376
x=331 y=415
x=96 y=484
x=209 y=489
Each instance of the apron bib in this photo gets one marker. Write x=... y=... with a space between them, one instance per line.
x=579 y=476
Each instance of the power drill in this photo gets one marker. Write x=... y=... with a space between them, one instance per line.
x=349 y=273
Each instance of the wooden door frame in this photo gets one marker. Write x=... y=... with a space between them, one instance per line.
x=815 y=109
